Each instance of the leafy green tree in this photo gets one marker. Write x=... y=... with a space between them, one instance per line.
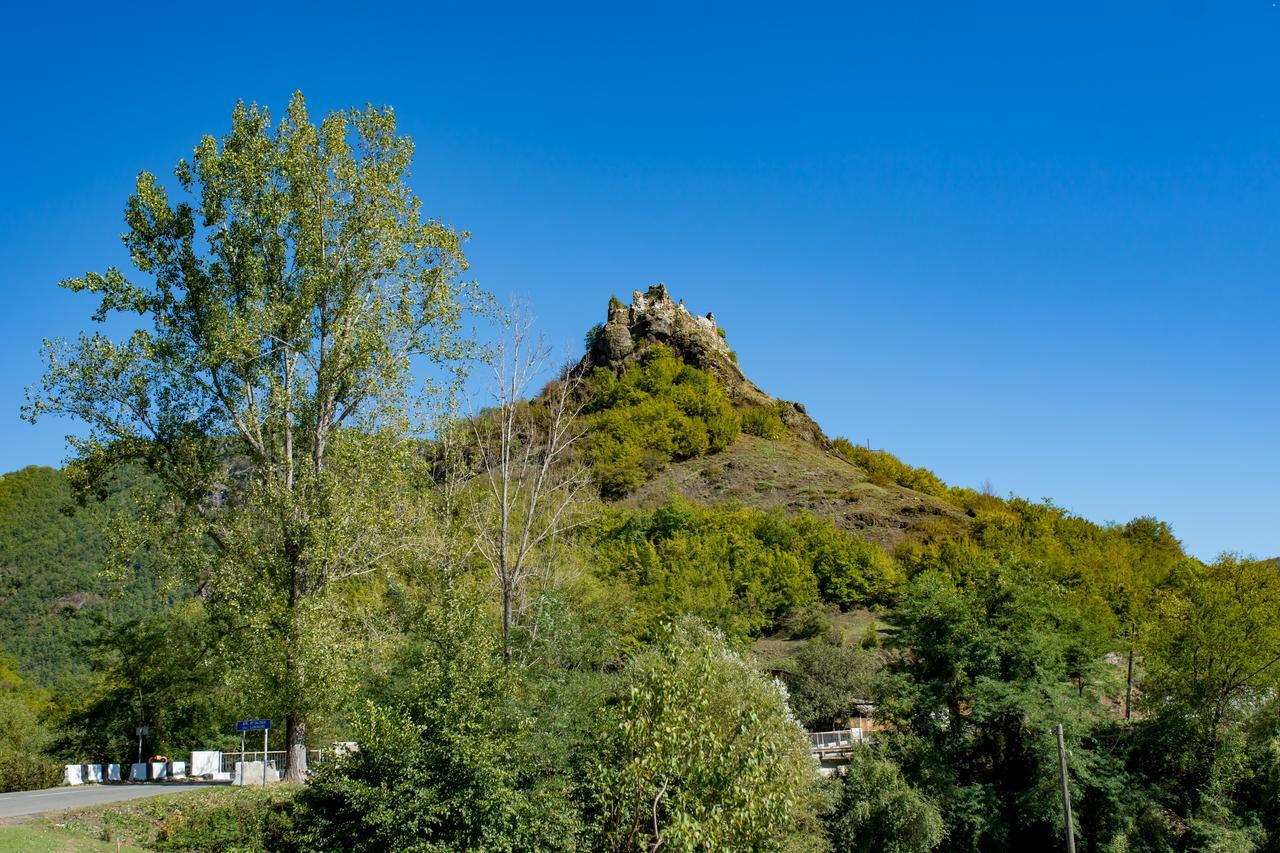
x=157 y=672
x=826 y=680
x=700 y=753
x=984 y=667
x=1213 y=662
x=266 y=385
x=878 y=812
x=24 y=739
x=442 y=762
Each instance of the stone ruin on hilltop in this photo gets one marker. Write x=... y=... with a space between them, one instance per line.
x=653 y=318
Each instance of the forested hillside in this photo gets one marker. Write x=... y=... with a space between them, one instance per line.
x=52 y=580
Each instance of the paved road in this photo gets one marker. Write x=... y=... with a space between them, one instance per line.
x=55 y=799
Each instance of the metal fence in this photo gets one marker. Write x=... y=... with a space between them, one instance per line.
x=841 y=740
x=275 y=758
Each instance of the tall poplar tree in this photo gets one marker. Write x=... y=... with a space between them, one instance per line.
x=268 y=386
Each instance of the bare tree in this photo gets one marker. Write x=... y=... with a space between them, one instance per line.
x=524 y=450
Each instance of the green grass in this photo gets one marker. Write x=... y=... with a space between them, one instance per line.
x=53 y=839
x=141 y=824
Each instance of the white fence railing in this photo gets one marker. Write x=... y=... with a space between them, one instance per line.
x=275 y=758
x=841 y=740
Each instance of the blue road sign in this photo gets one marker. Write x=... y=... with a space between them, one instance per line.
x=253 y=725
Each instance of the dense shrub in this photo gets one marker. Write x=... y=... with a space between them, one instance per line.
x=442 y=763
x=884 y=468
x=699 y=752
x=825 y=680
x=657 y=411
x=878 y=812
x=763 y=421
x=742 y=570
x=250 y=821
x=24 y=741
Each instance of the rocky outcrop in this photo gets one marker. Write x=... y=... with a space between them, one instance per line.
x=653 y=318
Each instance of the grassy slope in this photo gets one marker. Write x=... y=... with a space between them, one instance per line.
x=777 y=651
x=796 y=475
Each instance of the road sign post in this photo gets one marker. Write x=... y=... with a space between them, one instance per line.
x=263 y=726
x=141 y=731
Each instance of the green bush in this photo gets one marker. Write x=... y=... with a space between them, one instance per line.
x=763 y=421
x=657 y=411
x=885 y=469
x=248 y=822
x=27 y=771
x=699 y=752
x=24 y=760
x=443 y=762
x=878 y=812
x=742 y=570
x=825 y=680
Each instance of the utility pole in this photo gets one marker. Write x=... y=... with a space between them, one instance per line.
x=1066 y=792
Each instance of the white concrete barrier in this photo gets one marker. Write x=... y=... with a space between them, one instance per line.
x=178 y=769
x=113 y=772
x=159 y=770
x=249 y=773
x=73 y=774
x=206 y=763
x=93 y=773
x=138 y=772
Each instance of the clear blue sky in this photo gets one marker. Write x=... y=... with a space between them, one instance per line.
x=1031 y=244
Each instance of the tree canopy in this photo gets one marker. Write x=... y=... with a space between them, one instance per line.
x=267 y=385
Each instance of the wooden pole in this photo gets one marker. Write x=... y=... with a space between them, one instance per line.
x=1066 y=792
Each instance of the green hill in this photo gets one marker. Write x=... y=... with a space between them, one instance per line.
x=51 y=556
x=649 y=406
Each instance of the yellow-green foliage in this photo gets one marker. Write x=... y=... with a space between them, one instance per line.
x=884 y=468
x=657 y=411
x=700 y=752
x=23 y=738
x=763 y=421
x=739 y=569
x=1115 y=568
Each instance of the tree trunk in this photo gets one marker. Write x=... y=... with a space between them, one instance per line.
x=1128 y=689
x=296 y=744
x=506 y=621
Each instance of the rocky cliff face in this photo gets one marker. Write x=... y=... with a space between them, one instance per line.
x=653 y=318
